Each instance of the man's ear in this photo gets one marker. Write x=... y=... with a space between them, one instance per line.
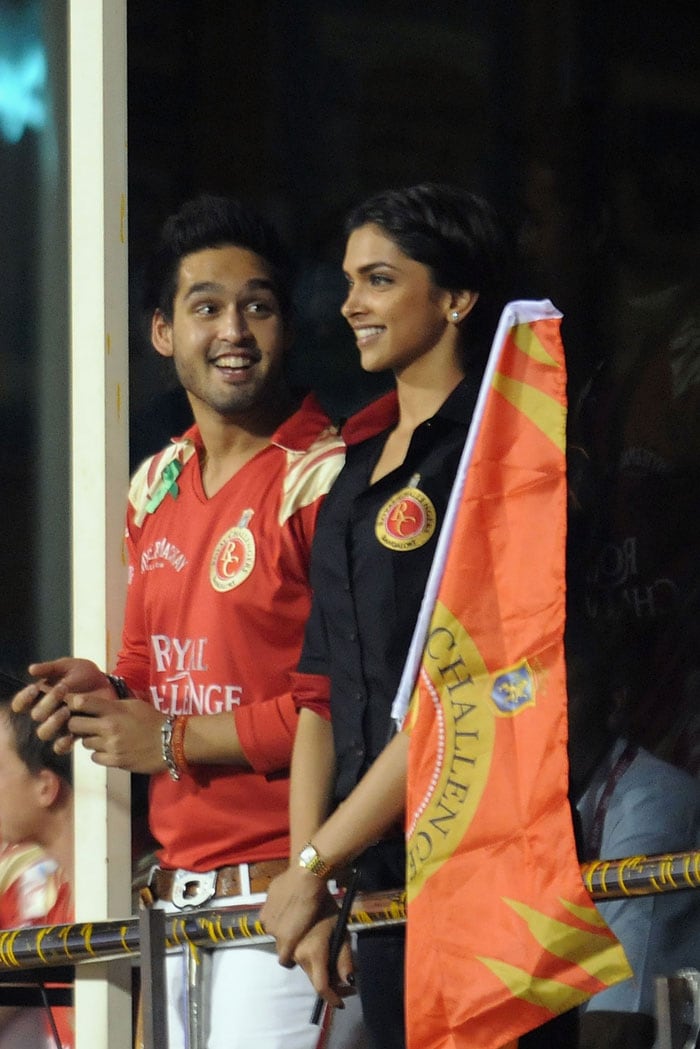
x=162 y=334
x=48 y=787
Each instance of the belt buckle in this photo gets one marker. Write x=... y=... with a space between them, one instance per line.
x=192 y=888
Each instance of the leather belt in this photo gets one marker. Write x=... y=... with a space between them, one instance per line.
x=193 y=888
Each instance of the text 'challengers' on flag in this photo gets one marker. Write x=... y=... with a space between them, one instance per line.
x=502 y=934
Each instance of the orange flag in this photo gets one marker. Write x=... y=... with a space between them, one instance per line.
x=502 y=934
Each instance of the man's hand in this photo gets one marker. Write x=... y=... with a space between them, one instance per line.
x=47 y=700
x=121 y=733
x=301 y=914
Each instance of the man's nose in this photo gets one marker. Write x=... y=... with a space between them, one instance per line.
x=234 y=326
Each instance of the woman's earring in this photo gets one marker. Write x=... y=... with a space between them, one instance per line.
x=455 y=315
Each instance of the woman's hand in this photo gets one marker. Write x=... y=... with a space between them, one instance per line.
x=312 y=954
x=296 y=900
x=301 y=914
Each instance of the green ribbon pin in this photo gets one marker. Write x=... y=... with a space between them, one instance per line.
x=167 y=484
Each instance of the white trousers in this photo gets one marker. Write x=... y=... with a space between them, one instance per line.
x=255 y=1003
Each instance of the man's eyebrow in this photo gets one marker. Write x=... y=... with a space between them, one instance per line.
x=261 y=284
x=254 y=284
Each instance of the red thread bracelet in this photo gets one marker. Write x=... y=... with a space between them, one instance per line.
x=178 y=743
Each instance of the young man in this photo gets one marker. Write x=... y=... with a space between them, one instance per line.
x=219 y=527
x=36 y=859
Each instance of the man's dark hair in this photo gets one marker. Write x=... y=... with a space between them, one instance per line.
x=37 y=754
x=457 y=235
x=213 y=222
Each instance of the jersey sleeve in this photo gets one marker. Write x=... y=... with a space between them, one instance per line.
x=266 y=733
x=266 y=730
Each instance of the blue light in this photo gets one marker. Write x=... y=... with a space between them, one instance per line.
x=23 y=77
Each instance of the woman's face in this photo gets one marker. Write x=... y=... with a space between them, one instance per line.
x=397 y=313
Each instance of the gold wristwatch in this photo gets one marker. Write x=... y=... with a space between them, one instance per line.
x=311 y=861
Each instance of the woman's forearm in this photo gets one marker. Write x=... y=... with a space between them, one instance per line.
x=312 y=773
x=374 y=807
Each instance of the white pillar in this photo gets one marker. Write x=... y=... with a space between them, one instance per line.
x=99 y=387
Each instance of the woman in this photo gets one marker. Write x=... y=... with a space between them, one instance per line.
x=424 y=267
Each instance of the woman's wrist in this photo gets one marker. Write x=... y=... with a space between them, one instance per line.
x=310 y=859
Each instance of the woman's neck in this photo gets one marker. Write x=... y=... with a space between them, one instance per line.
x=419 y=400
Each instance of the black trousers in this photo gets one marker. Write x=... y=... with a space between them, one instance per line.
x=380 y=956
x=381 y=952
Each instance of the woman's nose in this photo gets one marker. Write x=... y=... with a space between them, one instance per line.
x=352 y=302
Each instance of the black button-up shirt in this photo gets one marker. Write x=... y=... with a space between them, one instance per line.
x=366 y=594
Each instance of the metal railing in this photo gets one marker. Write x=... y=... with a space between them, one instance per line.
x=150 y=936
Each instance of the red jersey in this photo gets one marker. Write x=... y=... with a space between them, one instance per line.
x=32 y=892
x=217 y=602
x=32 y=889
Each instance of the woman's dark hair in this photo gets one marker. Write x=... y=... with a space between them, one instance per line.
x=213 y=222
x=457 y=235
x=37 y=754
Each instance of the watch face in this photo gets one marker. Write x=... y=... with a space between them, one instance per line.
x=307 y=855
x=311 y=861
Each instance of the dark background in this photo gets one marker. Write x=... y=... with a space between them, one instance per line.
x=579 y=119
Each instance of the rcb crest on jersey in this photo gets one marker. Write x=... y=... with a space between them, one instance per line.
x=406 y=521
x=234 y=556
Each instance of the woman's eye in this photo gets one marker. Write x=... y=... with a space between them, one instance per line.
x=379 y=279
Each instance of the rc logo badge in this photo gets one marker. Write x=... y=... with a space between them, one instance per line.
x=514 y=689
x=406 y=521
x=234 y=556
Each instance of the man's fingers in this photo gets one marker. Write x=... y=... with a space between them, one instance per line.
x=64 y=744
x=47 y=702
x=54 y=725
x=26 y=699
x=51 y=668
x=90 y=705
x=85 y=727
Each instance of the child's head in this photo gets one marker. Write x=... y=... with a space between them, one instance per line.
x=33 y=778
